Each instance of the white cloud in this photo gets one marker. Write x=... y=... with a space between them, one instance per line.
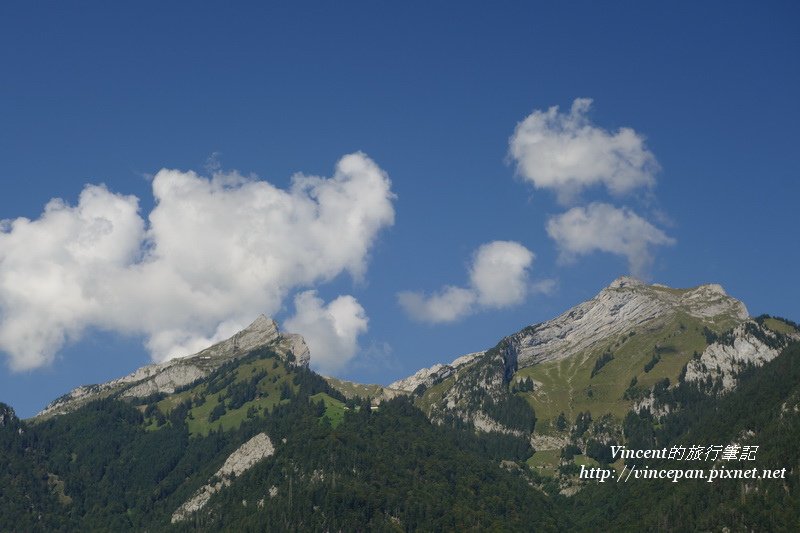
x=499 y=273
x=604 y=228
x=54 y=271
x=565 y=153
x=498 y=279
x=215 y=252
x=446 y=305
x=331 y=331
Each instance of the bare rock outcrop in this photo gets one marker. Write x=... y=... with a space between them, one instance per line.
x=429 y=376
x=625 y=305
x=750 y=344
x=243 y=459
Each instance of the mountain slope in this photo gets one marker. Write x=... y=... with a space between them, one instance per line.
x=258 y=442
x=243 y=436
x=625 y=305
x=29 y=497
x=171 y=375
x=764 y=411
x=586 y=358
x=582 y=372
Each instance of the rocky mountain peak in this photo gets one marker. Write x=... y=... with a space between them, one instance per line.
x=626 y=305
x=623 y=308
x=260 y=332
x=473 y=387
x=171 y=375
x=262 y=324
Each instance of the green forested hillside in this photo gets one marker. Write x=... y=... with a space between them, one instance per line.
x=763 y=411
x=27 y=499
x=345 y=464
x=388 y=469
x=338 y=464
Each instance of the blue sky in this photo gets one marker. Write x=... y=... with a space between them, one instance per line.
x=691 y=136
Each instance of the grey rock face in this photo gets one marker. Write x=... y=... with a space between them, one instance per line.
x=625 y=305
x=750 y=344
x=296 y=344
x=434 y=374
x=243 y=459
x=260 y=333
x=485 y=377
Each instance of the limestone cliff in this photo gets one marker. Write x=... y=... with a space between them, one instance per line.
x=427 y=377
x=626 y=305
x=243 y=459
x=169 y=376
x=749 y=344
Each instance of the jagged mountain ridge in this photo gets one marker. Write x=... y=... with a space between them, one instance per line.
x=170 y=375
x=427 y=377
x=560 y=354
x=625 y=305
x=619 y=308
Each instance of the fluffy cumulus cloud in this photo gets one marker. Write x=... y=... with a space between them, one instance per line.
x=331 y=331
x=498 y=278
x=446 y=305
x=213 y=253
x=601 y=227
x=566 y=153
x=499 y=273
x=54 y=271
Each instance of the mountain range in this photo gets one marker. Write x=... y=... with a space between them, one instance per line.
x=243 y=435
